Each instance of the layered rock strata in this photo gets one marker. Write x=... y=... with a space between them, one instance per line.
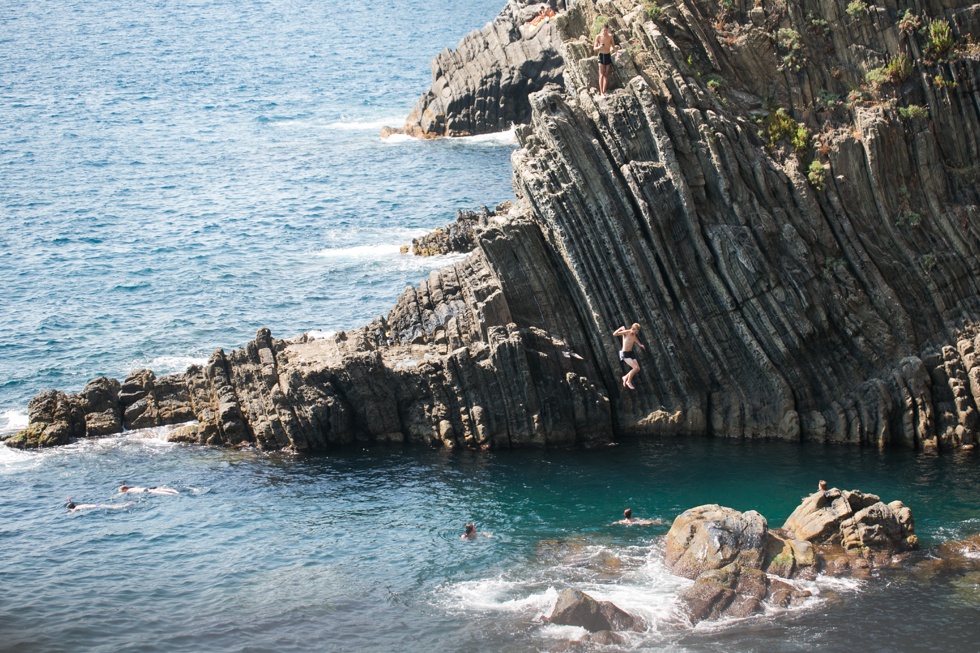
x=483 y=85
x=804 y=261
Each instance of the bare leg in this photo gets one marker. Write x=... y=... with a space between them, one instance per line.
x=634 y=368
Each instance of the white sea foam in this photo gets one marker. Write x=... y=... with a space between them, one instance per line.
x=12 y=420
x=501 y=595
x=168 y=364
x=508 y=137
x=365 y=125
x=495 y=139
x=16 y=459
x=390 y=254
x=401 y=138
x=372 y=252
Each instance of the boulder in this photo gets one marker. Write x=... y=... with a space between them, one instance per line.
x=880 y=526
x=711 y=537
x=789 y=558
x=100 y=402
x=575 y=608
x=54 y=418
x=854 y=520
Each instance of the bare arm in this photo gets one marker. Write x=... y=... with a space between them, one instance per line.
x=621 y=331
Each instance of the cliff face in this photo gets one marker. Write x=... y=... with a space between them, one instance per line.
x=783 y=195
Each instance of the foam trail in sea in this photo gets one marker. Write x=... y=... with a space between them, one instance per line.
x=495 y=139
x=170 y=364
x=364 y=125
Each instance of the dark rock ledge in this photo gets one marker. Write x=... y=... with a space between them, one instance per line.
x=804 y=260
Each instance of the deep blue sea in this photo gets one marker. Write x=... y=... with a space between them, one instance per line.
x=175 y=175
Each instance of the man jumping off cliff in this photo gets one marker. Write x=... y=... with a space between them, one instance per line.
x=626 y=353
x=605 y=44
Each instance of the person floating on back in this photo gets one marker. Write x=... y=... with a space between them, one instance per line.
x=75 y=507
x=605 y=45
x=626 y=353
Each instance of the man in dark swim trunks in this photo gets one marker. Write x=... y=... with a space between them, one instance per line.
x=605 y=45
x=626 y=353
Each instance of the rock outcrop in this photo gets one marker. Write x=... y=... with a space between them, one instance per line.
x=736 y=562
x=575 y=608
x=483 y=85
x=804 y=259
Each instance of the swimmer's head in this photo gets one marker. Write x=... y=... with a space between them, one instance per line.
x=69 y=505
x=470 y=529
x=822 y=485
x=628 y=513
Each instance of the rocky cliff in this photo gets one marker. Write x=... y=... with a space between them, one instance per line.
x=784 y=196
x=483 y=85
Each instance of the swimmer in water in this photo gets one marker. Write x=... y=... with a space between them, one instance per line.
x=149 y=490
x=470 y=533
x=75 y=507
x=629 y=520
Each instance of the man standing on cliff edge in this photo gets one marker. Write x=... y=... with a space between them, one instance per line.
x=605 y=44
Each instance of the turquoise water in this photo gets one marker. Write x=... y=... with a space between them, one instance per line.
x=174 y=175
x=360 y=550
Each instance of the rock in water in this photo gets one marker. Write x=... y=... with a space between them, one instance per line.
x=575 y=608
x=710 y=537
x=483 y=86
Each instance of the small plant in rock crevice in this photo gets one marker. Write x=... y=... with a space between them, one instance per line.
x=856 y=9
x=909 y=23
x=816 y=175
x=940 y=39
x=789 y=41
x=894 y=72
x=653 y=10
x=779 y=126
x=914 y=112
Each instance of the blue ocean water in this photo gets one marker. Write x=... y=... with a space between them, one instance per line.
x=176 y=174
x=360 y=550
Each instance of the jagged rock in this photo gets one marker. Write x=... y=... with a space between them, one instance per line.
x=54 y=418
x=99 y=400
x=735 y=559
x=148 y=401
x=788 y=557
x=575 y=608
x=483 y=85
x=459 y=237
x=711 y=537
x=854 y=520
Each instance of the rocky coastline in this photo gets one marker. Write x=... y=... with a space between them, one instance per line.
x=784 y=196
x=741 y=567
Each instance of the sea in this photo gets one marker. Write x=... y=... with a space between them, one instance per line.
x=174 y=175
